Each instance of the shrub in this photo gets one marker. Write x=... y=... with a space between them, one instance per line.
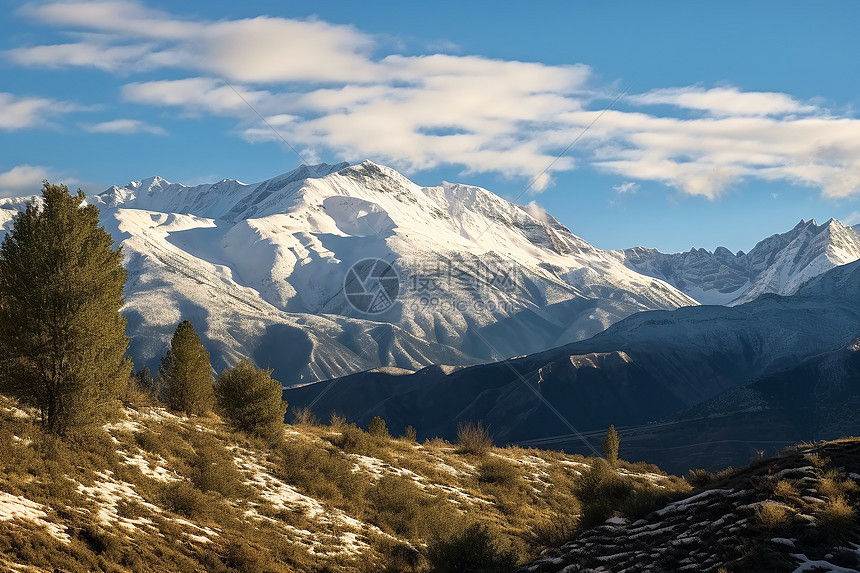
x=473 y=438
x=602 y=491
x=321 y=473
x=785 y=490
x=554 y=531
x=837 y=515
x=352 y=440
x=644 y=500
x=600 y=483
x=336 y=421
x=699 y=477
x=242 y=557
x=401 y=507
x=213 y=469
x=474 y=549
x=818 y=460
x=378 y=428
x=183 y=498
x=149 y=441
x=304 y=416
x=398 y=557
x=98 y=540
x=251 y=400
x=499 y=471
x=772 y=515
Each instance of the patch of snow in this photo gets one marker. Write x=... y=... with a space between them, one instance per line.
x=107 y=492
x=378 y=468
x=684 y=504
x=124 y=425
x=158 y=472
x=807 y=564
x=16 y=507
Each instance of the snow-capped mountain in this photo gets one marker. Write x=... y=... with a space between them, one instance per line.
x=779 y=264
x=269 y=271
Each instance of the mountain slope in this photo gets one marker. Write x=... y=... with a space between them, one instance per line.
x=155 y=491
x=262 y=269
x=650 y=366
x=779 y=264
x=797 y=512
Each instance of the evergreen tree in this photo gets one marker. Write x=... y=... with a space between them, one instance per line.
x=610 y=445
x=186 y=373
x=61 y=334
x=409 y=434
x=251 y=400
x=378 y=428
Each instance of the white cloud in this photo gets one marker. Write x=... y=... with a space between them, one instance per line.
x=708 y=156
x=853 y=218
x=536 y=210
x=125 y=127
x=264 y=49
x=21 y=112
x=724 y=101
x=329 y=89
x=626 y=187
x=25 y=180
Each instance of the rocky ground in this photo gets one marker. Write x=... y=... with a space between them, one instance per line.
x=795 y=512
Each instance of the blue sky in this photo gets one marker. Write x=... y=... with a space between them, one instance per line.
x=739 y=118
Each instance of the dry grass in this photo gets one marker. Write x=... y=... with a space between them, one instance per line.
x=414 y=493
x=837 y=514
x=473 y=438
x=786 y=491
x=772 y=515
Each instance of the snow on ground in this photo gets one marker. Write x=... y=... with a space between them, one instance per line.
x=807 y=564
x=684 y=504
x=19 y=413
x=285 y=497
x=124 y=425
x=378 y=468
x=276 y=492
x=15 y=507
x=205 y=534
x=156 y=415
x=655 y=479
x=156 y=472
x=107 y=493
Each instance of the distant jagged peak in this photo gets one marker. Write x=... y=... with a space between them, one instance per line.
x=155 y=181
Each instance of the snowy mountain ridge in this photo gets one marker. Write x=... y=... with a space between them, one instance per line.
x=262 y=269
x=779 y=264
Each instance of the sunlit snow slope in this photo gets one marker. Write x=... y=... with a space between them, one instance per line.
x=259 y=269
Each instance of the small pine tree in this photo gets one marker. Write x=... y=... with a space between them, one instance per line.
x=610 y=445
x=409 y=434
x=378 y=428
x=186 y=373
x=62 y=338
x=251 y=400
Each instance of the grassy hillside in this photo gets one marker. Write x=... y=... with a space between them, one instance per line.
x=155 y=491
